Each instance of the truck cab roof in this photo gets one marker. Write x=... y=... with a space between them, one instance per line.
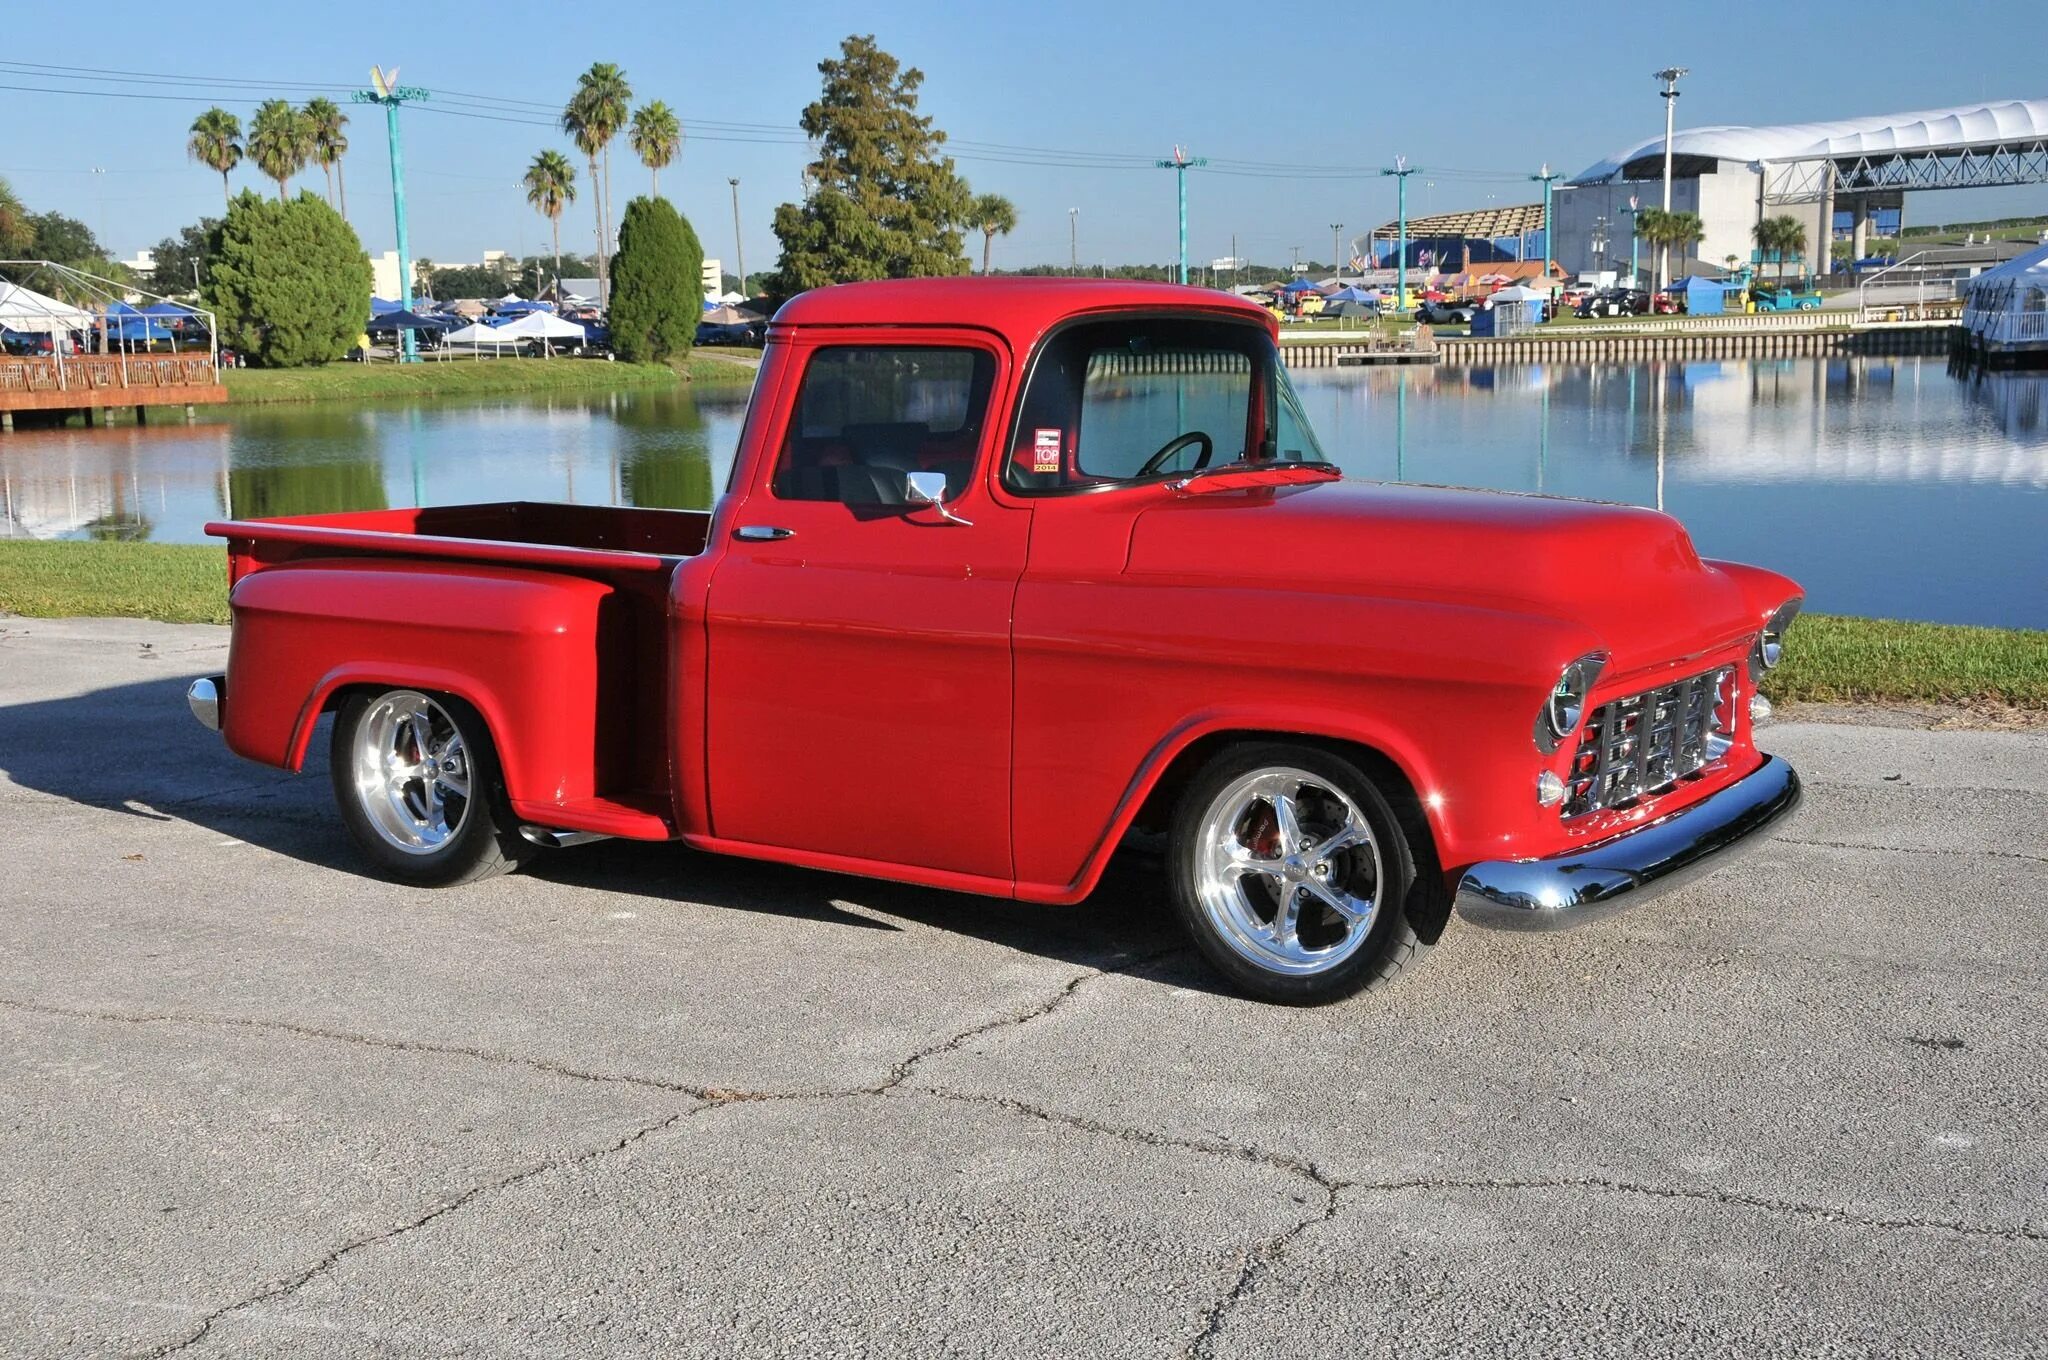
x=1019 y=309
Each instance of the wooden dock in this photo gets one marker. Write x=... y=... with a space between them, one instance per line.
x=88 y=383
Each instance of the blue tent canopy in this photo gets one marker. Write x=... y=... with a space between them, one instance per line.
x=410 y=321
x=173 y=309
x=1298 y=286
x=136 y=328
x=522 y=307
x=379 y=306
x=1351 y=294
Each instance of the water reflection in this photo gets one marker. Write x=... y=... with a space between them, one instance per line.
x=1888 y=486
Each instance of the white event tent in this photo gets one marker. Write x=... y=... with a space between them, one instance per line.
x=2005 y=308
x=25 y=310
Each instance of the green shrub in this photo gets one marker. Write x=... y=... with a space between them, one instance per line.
x=657 y=285
x=289 y=281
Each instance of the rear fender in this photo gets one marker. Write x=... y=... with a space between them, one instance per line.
x=520 y=646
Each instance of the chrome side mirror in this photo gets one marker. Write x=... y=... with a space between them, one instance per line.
x=929 y=488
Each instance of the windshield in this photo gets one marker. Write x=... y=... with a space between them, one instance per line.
x=1112 y=402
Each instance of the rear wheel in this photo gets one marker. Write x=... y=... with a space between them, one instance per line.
x=1294 y=876
x=417 y=782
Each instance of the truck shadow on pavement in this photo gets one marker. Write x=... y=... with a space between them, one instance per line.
x=134 y=750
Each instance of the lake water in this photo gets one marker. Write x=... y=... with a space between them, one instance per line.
x=1888 y=487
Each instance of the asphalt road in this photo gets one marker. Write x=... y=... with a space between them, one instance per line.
x=642 y=1102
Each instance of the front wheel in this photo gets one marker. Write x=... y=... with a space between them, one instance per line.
x=1295 y=877
x=417 y=782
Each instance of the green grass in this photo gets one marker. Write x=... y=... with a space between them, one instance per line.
x=1828 y=658
x=462 y=377
x=176 y=583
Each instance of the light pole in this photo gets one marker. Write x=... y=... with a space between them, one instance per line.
x=391 y=95
x=1599 y=244
x=1179 y=165
x=1546 y=175
x=739 y=247
x=1634 y=203
x=1337 y=248
x=1074 y=242
x=1401 y=171
x=1669 y=76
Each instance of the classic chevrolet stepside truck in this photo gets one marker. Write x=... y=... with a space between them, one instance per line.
x=1005 y=570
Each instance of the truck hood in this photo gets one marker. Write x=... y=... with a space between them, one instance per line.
x=1629 y=575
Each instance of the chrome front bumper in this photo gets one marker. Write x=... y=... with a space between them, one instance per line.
x=205 y=698
x=1548 y=894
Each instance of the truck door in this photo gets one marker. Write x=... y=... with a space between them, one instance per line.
x=859 y=692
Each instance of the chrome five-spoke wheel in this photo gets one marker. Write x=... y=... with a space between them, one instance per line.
x=416 y=779
x=411 y=772
x=1290 y=871
x=1301 y=877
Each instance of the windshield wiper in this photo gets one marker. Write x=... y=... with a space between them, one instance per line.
x=1238 y=475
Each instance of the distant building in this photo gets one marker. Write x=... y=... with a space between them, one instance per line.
x=1733 y=177
x=143 y=264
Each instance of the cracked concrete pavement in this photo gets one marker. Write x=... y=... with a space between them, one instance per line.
x=641 y=1102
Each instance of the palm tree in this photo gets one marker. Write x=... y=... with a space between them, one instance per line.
x=551 y=187
x=595 y=114
x=993 y=215
x=330 y=144
x=1778 y=237
x=280 y=141
x=658 y=136
x=217 y=144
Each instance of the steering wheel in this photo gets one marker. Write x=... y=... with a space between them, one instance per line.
x=1174 y=446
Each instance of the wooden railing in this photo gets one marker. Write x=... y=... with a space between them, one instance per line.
x=96 y=372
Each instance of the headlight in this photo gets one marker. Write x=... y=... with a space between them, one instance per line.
x=1769 y=648
x=1567 y=702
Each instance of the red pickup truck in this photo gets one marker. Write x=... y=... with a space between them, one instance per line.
x=1007 y=570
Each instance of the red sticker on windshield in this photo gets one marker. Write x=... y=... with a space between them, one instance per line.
x=1045 y=450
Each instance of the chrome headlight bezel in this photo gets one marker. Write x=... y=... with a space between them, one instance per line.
x=1769 y=648
x=1565 y=707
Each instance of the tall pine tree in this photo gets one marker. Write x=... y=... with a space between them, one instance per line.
x=884 y=202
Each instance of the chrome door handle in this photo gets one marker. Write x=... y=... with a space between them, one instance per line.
x=762 y=533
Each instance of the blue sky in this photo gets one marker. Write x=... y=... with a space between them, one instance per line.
x=1306 y=84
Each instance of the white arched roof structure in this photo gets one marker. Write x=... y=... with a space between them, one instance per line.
x=1929 y=131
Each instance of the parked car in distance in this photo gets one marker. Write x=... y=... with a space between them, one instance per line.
x=1446 y=312
x=1006 y=570
x=1614 y=302
x=1777 y=298
x=731 y=332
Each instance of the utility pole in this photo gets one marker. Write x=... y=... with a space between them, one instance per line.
x=1633 y=204
x=1337 y=248
x=1546 y=175
x=739 y=247
x=388 y=92
x=1179 y=165
x=1295 y=268
x=1074 y=242
x=1401 y=171
x=1669 y=76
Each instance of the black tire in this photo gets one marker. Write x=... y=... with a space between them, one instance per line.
x=485 y=842
x=1411 y=899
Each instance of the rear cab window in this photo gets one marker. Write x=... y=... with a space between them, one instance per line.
x=865 y=415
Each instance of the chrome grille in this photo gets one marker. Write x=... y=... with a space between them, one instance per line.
x=1643 y=744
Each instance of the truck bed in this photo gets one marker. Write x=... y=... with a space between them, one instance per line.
x=330 y=568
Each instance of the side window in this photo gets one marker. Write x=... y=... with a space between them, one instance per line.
x=866 y=415
x=1112 y=401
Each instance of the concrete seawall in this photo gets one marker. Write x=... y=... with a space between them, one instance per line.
x=1624 y=348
